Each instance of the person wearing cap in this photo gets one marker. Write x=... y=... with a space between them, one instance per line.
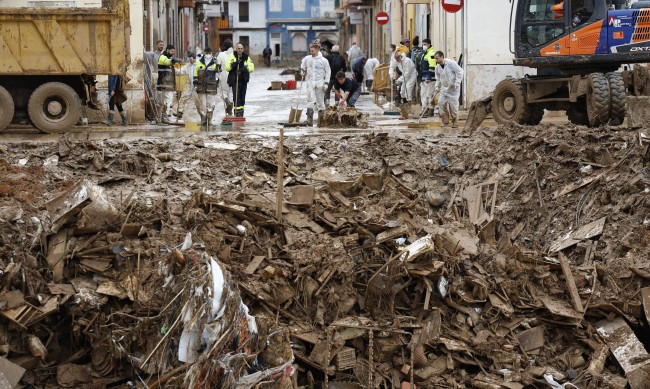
x=206 y=80
x=353 y=53
x=337 y=64
x=188 y=92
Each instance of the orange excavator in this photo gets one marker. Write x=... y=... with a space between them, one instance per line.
x=578 y=48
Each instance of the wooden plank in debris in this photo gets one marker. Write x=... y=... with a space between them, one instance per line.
x=571 y=284
x=645 y=297
x=10 y=373
x=392 y=233
x=56 y=254
x=531 y=339
x=628 y=351
x=577 y=185
x=584 y=232
x=254 y=264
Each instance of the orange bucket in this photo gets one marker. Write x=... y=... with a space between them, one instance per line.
x=291 y=84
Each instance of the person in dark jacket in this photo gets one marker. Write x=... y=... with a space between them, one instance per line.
x=239 y=67
x=116 y=98
x=357 y=68
x=337 y=64
x=348 y=90
x=166 y=80
x=266 y=53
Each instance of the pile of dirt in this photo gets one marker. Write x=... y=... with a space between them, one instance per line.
x=511 y=259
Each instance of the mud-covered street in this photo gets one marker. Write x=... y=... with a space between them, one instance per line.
x=400 y=255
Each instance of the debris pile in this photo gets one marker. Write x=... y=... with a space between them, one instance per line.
x=348 y=117
x=512 y=259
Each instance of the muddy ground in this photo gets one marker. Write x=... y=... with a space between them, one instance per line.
x=516 y=258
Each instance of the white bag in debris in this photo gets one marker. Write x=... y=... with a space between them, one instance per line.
x=556 y=385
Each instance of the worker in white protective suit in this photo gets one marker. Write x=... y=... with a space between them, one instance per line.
x=368 y=69
x=188 y=93
x=353 y=53
x=222 y=58
x=449 y=77
x=408 y=78
x=316 y=72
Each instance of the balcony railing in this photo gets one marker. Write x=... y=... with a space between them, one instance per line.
x=224 y=23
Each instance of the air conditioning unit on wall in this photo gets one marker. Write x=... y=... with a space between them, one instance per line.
x=327 y=14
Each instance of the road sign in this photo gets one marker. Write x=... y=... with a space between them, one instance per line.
x=381 y=18
x=452 y=5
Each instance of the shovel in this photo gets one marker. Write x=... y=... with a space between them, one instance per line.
x=295 y=113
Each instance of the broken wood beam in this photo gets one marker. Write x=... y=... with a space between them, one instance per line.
x=571 y=283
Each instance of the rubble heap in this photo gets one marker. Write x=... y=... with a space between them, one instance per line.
x=512 y=259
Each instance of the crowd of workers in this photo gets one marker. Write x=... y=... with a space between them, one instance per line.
x=418 y=73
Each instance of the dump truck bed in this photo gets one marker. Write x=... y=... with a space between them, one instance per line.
x=65 y=41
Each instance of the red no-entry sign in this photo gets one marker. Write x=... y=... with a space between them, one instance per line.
x=382 y=18
x=452 y=5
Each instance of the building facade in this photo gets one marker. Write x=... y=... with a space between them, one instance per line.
x=293 y=24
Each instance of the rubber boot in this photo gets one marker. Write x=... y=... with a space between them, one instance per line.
x=444 y=116
x=229 y=108
x=320 y=117
x=208 y=119
x=125 y=120
x=239 y=113
x=202 y=119
x=310 y=117
x=109 y=121
x=179 y=116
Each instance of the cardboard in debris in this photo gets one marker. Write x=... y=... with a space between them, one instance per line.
x=628 y=351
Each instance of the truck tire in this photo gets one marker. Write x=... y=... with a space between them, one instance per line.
x=54 y=107
x=7 y=108
x=509 y=104
x=598 y=101
x=578 y=115
x=617 y=96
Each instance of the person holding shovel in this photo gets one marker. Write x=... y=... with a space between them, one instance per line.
x=316 y=72
x=348 y=90
x=239 y=67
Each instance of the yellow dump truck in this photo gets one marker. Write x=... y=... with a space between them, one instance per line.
x=49 y=58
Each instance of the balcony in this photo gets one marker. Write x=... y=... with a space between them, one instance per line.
x=224 y=23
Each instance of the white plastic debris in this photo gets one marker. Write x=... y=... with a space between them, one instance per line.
x=187 y=243
x=556 y=385
x=587 y=169
x=241 y=229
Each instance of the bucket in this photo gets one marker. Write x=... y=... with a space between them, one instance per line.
x=291 y=84
x=294 y=115
x=191 y=126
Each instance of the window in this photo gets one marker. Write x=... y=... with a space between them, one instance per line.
x=275 y=6
x=243 y=11
x=299 y=42
x=299 y=5
x=327 y=5
x=543 y=21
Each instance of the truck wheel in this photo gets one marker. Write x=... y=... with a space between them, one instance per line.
x=598 y=102
x=617 y=96
x=54 y=107
x=578 y=115
x=509 y=104
x=6 y=108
